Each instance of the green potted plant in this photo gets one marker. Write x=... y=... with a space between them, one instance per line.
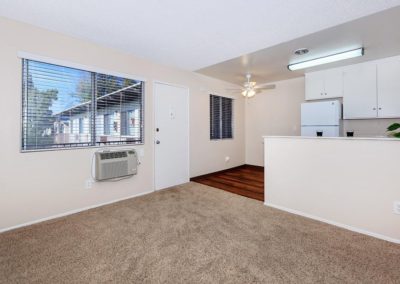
x=392 y=130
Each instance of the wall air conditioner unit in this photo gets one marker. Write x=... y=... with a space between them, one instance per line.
x=115 y=164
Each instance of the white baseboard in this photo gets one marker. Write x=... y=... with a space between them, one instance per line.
x=354 y=229
x=71 y=212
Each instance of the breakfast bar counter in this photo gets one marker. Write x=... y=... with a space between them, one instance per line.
x=350 y=182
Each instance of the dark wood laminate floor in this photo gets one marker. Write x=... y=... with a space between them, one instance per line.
x=244 y=180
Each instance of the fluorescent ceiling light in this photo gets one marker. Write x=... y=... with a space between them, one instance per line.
x=327 y=59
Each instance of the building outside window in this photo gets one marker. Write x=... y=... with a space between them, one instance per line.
x=65 y=107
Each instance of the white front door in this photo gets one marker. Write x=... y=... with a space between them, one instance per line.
x=171 y=106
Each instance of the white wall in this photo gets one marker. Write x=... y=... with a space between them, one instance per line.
x=348 y=182
x=274 y=112
x=43 y=184
x=368 y=127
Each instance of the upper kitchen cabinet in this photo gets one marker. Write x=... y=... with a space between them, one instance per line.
x=324 y=84
x=315 y=89
x=372 y=89
x=388 y=74
x=314 y=86
x=334 y=83
x=359 y=91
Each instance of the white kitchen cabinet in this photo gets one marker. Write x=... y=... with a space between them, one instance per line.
x=388 y=74
x=369 y=90
x=360 y=91
x=333 y=83
x=324 y=84
x=315 y=86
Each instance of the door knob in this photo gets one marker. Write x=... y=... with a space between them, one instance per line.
x=158 y=142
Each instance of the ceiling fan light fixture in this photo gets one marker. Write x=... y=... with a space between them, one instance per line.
x=248 y=93
x=327 y=59
x=251 y=93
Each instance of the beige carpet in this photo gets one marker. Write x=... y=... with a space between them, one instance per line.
x=193 y=234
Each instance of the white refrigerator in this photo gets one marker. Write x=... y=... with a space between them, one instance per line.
x=321 y=118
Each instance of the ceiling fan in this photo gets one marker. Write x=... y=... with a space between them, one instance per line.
x=250 y=89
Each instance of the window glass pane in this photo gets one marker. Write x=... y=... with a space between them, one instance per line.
x=221 y=117
x=119 y=110
x=68 y=107
x=226 y=107
x=54 y=98
x=215 y=117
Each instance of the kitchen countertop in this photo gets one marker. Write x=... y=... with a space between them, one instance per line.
x=376 y=138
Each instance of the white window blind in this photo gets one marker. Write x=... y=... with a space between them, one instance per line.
x=221 y=117
x=66 y=107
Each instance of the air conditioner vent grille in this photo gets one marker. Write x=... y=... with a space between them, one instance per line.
x=113 y=155
x=115 y=169
x=115 y=164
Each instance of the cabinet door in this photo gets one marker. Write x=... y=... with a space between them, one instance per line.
x=315 y=86
x=389 y=88
x=334 y=83
x=359 y=91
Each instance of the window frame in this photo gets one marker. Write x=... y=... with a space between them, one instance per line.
x=27 y=56
x=221 y=124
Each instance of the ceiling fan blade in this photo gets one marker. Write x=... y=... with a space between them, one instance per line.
x=239 y=90
x=265 y=87
x=264 y=84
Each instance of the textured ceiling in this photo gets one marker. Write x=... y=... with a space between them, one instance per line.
x=189 y=34
x=378 y=34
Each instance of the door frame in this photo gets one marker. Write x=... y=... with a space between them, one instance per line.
x=153 y=133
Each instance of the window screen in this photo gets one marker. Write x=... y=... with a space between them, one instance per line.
x=66 y=107
x=221 y=109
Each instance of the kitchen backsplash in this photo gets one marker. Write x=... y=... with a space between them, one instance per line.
x=368 y=127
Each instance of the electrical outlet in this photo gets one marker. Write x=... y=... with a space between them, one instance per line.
x=88 y=184
x=396 y=207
